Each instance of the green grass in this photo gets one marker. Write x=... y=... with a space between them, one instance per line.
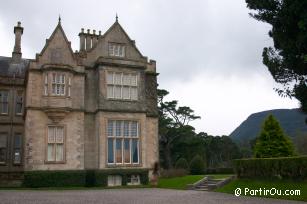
x=267 y=185
x=178 y=182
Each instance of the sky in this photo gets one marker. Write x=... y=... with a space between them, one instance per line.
x=208 y=52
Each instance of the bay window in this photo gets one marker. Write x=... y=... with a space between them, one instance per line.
x=122 y=86
x=123 y=142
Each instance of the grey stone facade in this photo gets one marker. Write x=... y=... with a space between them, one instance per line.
x=68 y=92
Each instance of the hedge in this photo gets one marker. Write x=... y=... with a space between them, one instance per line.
x=77 y=178
x=281 y=167
x=219 y=170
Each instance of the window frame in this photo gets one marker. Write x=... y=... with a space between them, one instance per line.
x=3 y=102
x=17 y=148
x=17 y=102
x=113 y=85
x=122 y=138
x=116 y=49
x=58 y=83
x=6 y=148
x=64 y=145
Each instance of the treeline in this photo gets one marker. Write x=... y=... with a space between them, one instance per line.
x=179 y=140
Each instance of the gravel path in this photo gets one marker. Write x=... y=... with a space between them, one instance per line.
x=135 y=196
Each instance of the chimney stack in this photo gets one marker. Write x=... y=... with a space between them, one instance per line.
x=16 y=55
x=82 y=40
x=88 y=40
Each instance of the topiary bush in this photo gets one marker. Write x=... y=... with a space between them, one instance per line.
x=182 y=163
x=197 y=165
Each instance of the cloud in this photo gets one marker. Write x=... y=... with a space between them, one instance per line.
x=208 y=52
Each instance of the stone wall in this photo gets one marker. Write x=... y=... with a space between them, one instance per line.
x=36 y=141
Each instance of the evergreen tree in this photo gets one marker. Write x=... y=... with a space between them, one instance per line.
x=182 y=163
x=287 y=60
x=272 y=142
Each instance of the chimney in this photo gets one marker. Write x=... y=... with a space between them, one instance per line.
x=82 y=40
x=94 y=38
x=88 y=40
x=16 y=55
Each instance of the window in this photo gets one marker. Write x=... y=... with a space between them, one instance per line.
x=55 y=144
x=46 y=85
x=122 y=86
x=17 y=149
x=3 y=147
x=19 y=102
x=123 y=142
x=4 y=99
x=133 y=180
x=117 y=50
x=114 y=180
x=69 y=86
x=58 y=84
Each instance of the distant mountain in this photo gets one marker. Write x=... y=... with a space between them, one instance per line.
x=291 y=120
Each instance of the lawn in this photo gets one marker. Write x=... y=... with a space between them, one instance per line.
x=280 y=185
x=220 y=176
x=178 y=182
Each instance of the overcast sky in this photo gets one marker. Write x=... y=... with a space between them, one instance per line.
x=208 y=52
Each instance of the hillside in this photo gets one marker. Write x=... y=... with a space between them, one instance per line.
x=291 y=120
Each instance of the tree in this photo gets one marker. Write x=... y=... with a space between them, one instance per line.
x=173 y=124
x=182 y=163
x=287 y=61
x=272 y=142
x=197 y=165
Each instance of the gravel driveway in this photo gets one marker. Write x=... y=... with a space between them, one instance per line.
x=110 y=196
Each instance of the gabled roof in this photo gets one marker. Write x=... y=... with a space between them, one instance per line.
x=58 y=27
x=116 y=24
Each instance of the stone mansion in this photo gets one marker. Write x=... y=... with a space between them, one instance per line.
x=95 y=108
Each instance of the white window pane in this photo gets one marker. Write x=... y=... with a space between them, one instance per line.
x=123 y=51
x=59 y=152
x=126 y=79
x=51 y=134
x=126 y=128
x=118 y=128
x=133 y=80
x=134 y=93
x=110 y=93
x=117 y=78
x=135 y=151
x=111 y=50
x=60 y=135
x=110 y=127
x=110 y=78
x=50 y=152
x=134 y=129
x=117 y=92
x=62 y=89
x=126 y=94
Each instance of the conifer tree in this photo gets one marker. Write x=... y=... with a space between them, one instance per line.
x=272 y=142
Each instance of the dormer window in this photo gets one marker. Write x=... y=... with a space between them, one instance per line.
x=58 y=84
x=116 y=50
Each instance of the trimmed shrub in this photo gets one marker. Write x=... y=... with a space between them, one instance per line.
x=182 y=163
x=219 y=171
x=282 y=167
x=197 y=165
x=72 y=178
x=54 y=178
